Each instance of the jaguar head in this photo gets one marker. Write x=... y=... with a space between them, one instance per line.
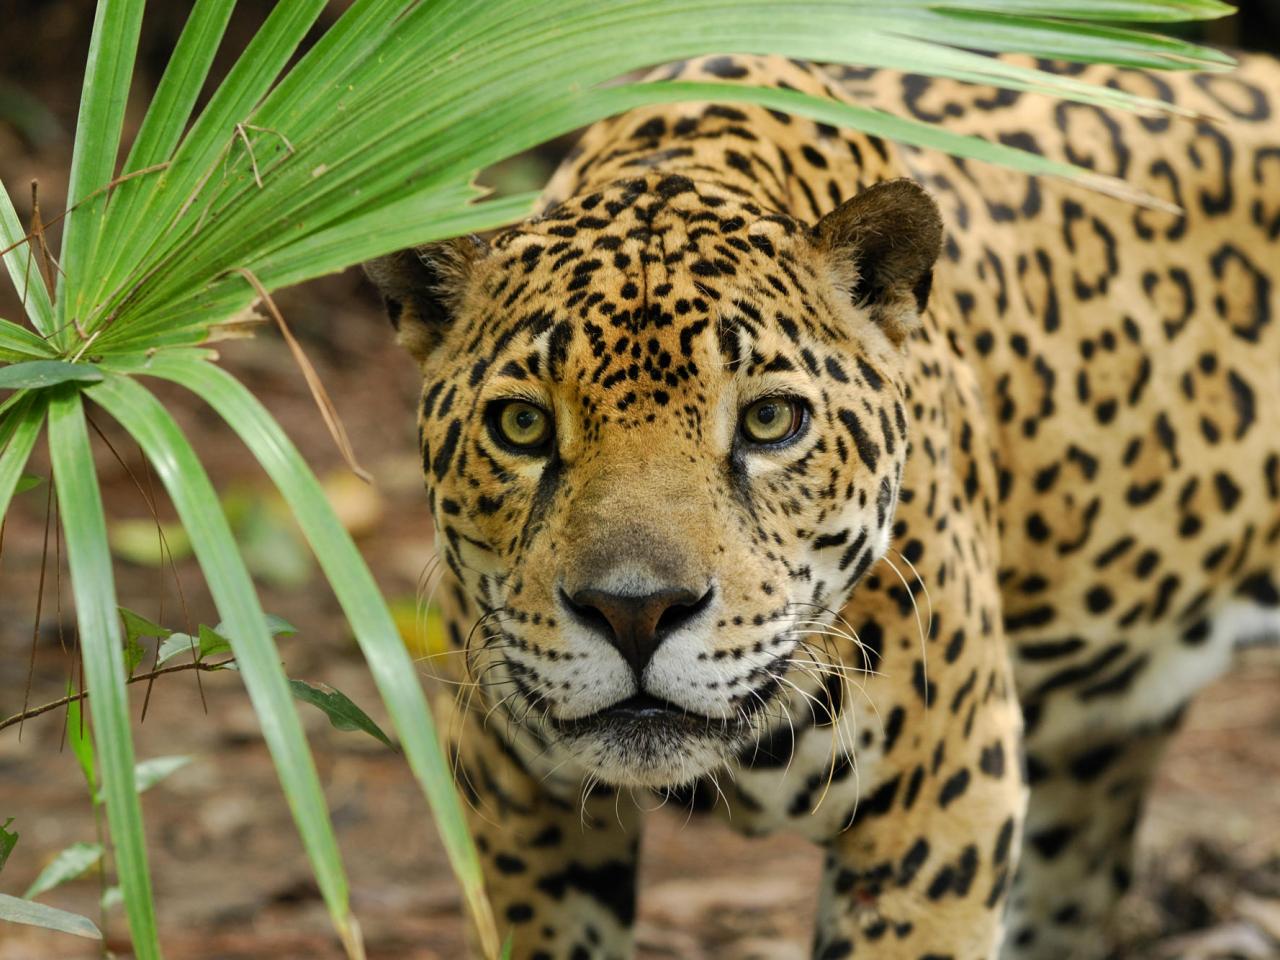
x=663 y=434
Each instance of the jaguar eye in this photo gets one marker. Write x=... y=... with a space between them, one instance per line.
x=522 y=425
x=772 y=420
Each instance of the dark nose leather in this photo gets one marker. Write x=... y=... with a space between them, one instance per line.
x=637 y=625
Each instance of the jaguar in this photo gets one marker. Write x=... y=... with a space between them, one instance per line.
x=841 y=487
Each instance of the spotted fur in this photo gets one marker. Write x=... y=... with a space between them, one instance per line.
x=1033 y=503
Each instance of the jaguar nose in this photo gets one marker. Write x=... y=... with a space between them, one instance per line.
x=637 y=625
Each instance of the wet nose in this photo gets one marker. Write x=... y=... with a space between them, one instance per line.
x=637 y=625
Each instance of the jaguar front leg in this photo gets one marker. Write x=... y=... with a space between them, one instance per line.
x=1087 y=796
x=924 y=868
x=559 y=870
x=921 y=875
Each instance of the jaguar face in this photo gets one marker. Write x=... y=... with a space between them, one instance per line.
x=662 y=436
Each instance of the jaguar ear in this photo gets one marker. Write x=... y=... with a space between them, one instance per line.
x=423 y=287
x=891 y=235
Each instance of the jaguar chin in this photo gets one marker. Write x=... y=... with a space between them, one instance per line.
x=647 y=742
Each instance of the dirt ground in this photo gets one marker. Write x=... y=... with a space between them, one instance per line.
x=231 y=880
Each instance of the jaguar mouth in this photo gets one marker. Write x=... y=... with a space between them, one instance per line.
x=643 y=712
x=646 y=717
x=647 y=741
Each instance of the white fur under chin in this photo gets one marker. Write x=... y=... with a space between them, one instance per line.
x=635 y=759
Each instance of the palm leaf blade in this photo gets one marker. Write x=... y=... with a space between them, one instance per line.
x=198 y=507
x=18 y=344
x=361 y=601
x=212 y=136
x=18 y=432
x=167 y=116
x=93 y=158
x=23 y=269
x=89 y=559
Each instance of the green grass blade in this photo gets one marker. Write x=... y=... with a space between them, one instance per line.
x=85 y=528
x=16 y=910
x=381 y=231
x=211 y=137
x=359 y=32
x=392 y=667
x=166 y=119
x=37 y=374
x=1078 y=42
x=23 y=268
x=69 y=864
x=438 y=214
x=1127 y=11
x=10 y=413
x=93 y=159
x=6 y=408
x=18 y=344
x=137 y=362
x=875 y=122
x=199 y=509
x=18 y=433
x=183 y=78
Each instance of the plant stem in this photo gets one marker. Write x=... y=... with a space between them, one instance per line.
x=150 y=675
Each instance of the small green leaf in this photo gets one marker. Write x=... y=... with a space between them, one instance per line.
x=81 y=743
x=279 y=626
x=16 y=910
x=28 y=481
x=150 y=772
x=112 y=897
x=134 y=654
x=137 y=626
x=212 y=642
x=8 y=840
x=175 y=646
x=45 y=373
x=338 y=707
x=66 y=866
